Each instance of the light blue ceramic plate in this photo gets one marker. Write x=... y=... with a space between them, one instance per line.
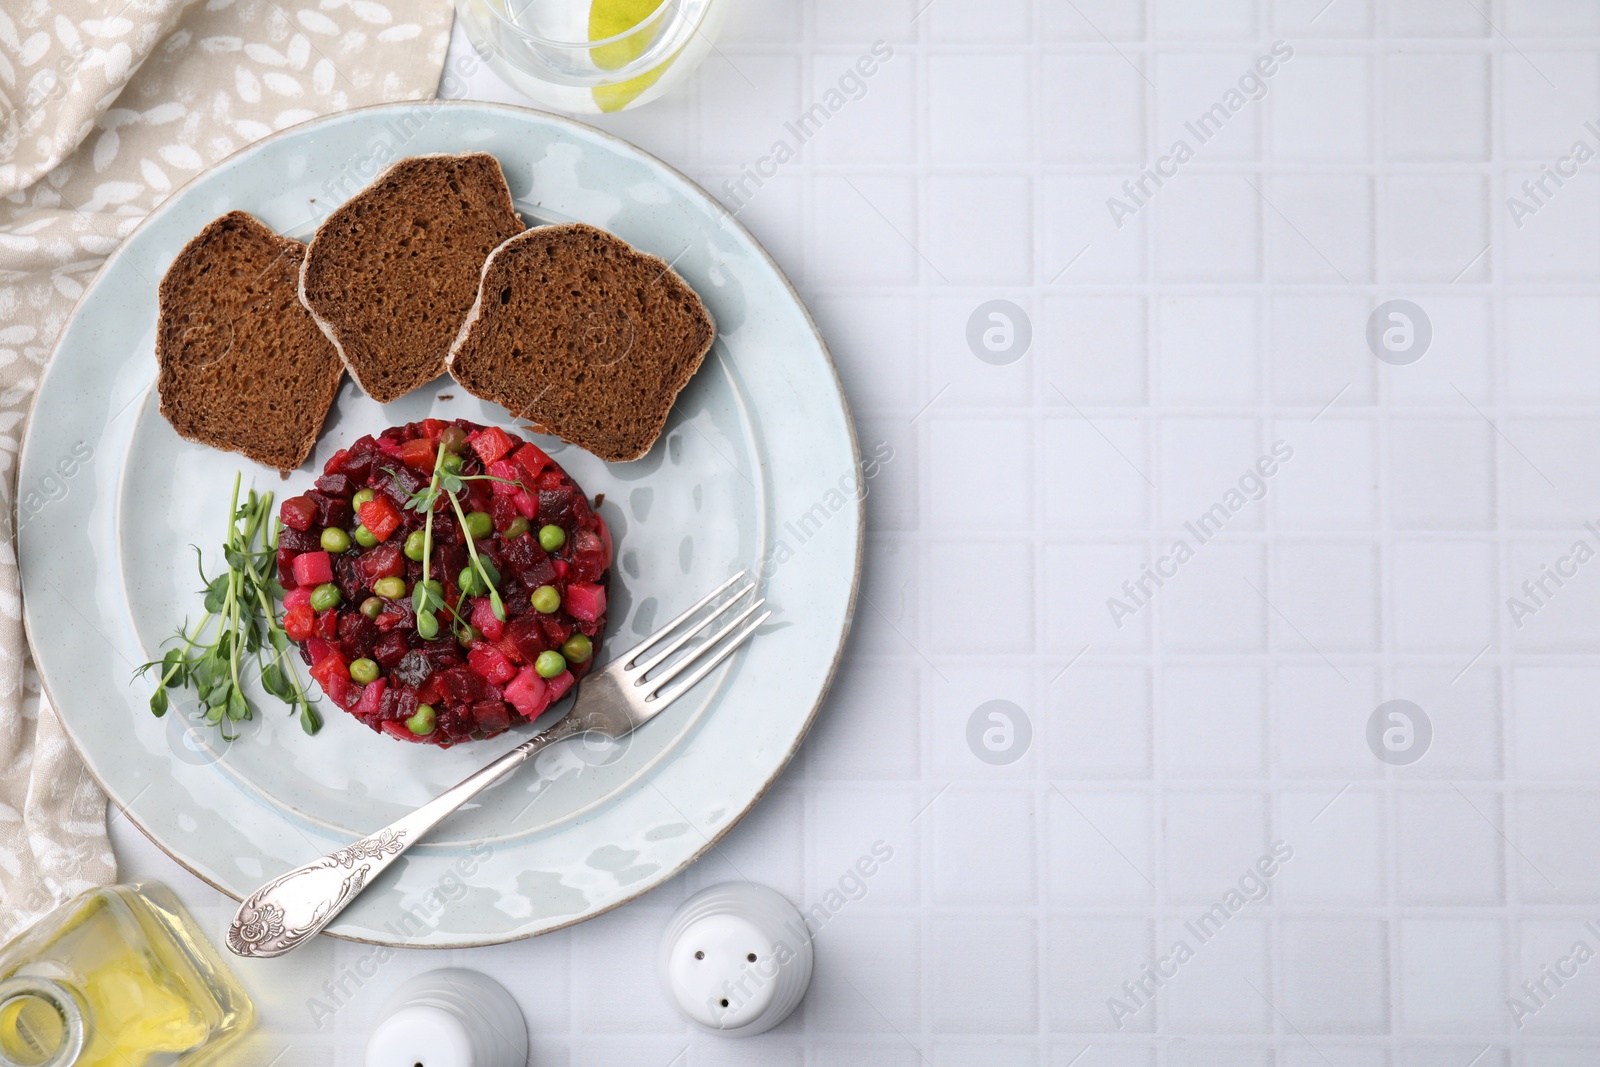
x=748 y=474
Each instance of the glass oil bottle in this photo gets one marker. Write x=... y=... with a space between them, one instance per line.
x=119 y=976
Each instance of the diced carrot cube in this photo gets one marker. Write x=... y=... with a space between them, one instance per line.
x=379 y=517
x=418 y=453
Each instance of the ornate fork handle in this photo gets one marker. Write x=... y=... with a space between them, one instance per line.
x=298 y=904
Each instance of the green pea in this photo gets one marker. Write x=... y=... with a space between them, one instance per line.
x=372 y=607
x=578 y=649
x=364 y=670
x=452 y=439
x=470 y=583
x=416 y=545
x=335 y=540
x=547 y=598
x=362 y=497
x=479 y=525
x=325 y=596
x=422 y=722
x=365 y=538
x=451 y=464
x=551 y=538
x=467 y=636
x=550 y=664
x=518 y=527
x=393 y=588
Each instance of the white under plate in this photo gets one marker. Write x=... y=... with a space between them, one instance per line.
x=755 y=469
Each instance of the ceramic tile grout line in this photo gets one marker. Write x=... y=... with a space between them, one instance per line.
x=119 y=976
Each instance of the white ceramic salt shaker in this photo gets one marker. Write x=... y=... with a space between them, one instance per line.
x=736 y=959
x=450 y=1018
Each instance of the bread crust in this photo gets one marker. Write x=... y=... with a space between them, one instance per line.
x=264 y=385
x=387 y=376
x=688 y=313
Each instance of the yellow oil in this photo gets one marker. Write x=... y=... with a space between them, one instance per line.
x=151 y=989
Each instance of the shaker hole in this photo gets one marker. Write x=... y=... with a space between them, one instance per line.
x=699 y=955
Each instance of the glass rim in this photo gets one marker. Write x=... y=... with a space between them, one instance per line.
x=643 y=24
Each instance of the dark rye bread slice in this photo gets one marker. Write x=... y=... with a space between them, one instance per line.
x=391 y=274
x=582 y=335
x=242 y=365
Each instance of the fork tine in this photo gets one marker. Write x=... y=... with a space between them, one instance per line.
x=709 y=665
x=683 y=639
x=650 y=642
x=687 y=661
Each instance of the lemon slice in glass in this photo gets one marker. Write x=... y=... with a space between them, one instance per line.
x=609 y=18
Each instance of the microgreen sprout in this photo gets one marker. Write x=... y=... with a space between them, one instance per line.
x=240 y=604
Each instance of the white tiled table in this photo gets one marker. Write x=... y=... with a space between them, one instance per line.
x=1230 y=709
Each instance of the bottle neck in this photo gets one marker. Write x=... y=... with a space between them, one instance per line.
x=41 y=1024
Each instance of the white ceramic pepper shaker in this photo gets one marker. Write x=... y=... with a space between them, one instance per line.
x=450 y=1018
x=736 y=959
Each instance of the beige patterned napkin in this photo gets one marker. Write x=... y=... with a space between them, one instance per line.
x=106 y=107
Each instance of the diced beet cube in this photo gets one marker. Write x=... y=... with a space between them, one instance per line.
x=331 y=510
x=528 y=637
x=557 y=687
x=398 y=482
x=491 y=443
x=385 y=561
x=585 y=600
x=487 y=661
x=523 y=551
x=532 y=459
x=313 y=568
x=527 y=693
x=561 y=567
x=432 y=428
x=462 y=686
x=318 y=649
x=371 y=704
x=508 y=473
x=492 y=716
x=541 y=572
x=357 y=635
x=391 y=648
x=332 y=466
x=442 y=654
x=285 y=564
x=527 y=504
x=555 y=630
x=484 y=619
x=556 y=506
x=503 y=511
x=298 y=513
x=328 y=624
x=337 y=484
x=294 y=598
x=299 y=540
x=588 y=556
x=347 y=576
x=413 y=669
x=380 y=518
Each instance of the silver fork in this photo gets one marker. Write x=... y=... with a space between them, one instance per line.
x=612 y=701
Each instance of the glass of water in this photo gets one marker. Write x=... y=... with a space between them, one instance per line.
x=592 y=56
